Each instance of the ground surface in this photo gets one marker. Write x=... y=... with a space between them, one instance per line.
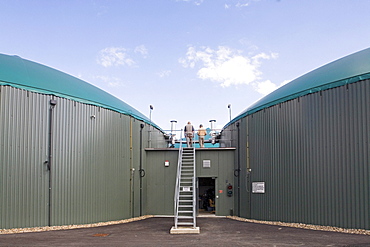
x=213 y=232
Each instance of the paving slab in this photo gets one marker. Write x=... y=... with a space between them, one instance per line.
x=215 y=232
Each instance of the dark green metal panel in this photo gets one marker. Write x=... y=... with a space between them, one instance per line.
x=313 y=155
x=23 y=149
x=160 y=181
x=222 y=163
x=91 y=168
x=92 y=156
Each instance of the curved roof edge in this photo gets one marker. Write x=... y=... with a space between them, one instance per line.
x=24 y=74
x=347 y=70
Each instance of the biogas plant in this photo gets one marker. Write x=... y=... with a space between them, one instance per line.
x=74 y=154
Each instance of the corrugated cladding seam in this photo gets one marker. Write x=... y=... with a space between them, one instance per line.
x=313 y=154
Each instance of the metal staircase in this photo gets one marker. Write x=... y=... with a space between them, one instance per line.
x=185 y=193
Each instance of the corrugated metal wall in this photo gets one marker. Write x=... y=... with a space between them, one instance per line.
x=23 y=151
x=313 y=155
x=91 y=168
x=95 y=153
x=161 y=180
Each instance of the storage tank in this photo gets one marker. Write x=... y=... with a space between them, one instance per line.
x=303 y=150
x=70 y=152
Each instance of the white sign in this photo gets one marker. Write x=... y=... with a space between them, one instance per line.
x=206 y=163
x=258 y=187
x=186 y=189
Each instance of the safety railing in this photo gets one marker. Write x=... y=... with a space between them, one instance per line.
x=182 y=189
x=194 y=190
x=177 y=187
x=210 y=140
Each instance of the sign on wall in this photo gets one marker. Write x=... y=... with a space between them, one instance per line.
x=206 y=163
x=258 y=187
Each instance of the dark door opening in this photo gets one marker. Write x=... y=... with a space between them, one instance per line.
x=206 y=195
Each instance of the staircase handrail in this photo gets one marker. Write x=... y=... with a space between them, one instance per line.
x=194 y=190
x=177 y=187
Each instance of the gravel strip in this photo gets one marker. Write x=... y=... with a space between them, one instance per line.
x=67 y=227
x=276 y=223
x=304 y=226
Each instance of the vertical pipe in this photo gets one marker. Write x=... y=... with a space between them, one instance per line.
x=50 y=155
x=141 y=171
x=132 y=172
x=237 y=125
x=249 y=170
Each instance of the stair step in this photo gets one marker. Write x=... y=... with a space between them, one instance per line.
x=185 y=223
x=185 y=217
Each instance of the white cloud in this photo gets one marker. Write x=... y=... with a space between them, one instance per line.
x=142 y=50
x=241 y=5
x=265 y=87
x=164 y=73
x=110 y=81
x=196 y=2
x=225 y=65
x=114 y=56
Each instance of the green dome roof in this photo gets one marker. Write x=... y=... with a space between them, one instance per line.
x=28 y=75
x=349 y=69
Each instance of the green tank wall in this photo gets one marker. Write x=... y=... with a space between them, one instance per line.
x=313 y=155
x=94 y=163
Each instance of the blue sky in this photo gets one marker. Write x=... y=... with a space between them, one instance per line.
x=187 y=58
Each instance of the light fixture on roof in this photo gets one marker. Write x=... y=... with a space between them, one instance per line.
x=150 y=113
x=173 y=122
x=212 y=122
x=150 y=118
x=229 y=106
x=172 y=136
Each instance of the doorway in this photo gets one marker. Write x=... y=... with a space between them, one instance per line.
x=206 y=196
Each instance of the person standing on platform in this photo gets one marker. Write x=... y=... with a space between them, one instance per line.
x=189 y=134
x=201 y=133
